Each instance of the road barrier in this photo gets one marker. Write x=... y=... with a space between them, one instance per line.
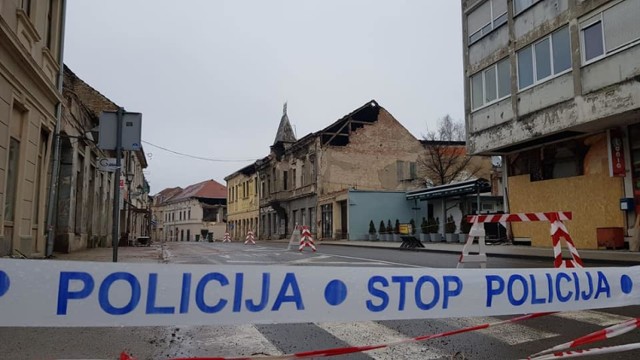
x=250 y=238
x=227 y=237
x=306 y=239
x=558 y=231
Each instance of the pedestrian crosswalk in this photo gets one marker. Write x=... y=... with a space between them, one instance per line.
x=247 y=340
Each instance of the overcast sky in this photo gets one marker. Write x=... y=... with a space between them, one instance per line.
x=210 y=77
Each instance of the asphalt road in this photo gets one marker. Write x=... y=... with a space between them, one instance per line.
x=512 y=341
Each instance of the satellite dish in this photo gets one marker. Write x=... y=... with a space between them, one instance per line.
x=496 y=161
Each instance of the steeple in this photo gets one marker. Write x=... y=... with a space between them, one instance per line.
x=285 y=131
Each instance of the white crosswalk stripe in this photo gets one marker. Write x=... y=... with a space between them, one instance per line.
x=593 y=317
x=512 y=334
x=369 y=333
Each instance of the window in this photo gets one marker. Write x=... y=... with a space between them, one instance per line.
x=485 y=18
x=303 y=180
x=611 y=30
x=42 y=152
x=293 y=179
x=522 y=5
x=412 y=170
x=491 y=84
x=26 y=6
x=285 y=182
x=189 y=214
x=79 y=195
x=548 y=57
x=12 y=180
x=554 y=161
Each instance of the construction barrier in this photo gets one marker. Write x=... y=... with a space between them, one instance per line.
x=250 y=239
x=558 y=231
x=306 y=239
x=227 y=237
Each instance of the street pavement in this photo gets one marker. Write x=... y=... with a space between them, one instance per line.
x=154 y=253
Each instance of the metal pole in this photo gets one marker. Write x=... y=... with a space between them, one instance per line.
x=116 y=185
x=53 y=184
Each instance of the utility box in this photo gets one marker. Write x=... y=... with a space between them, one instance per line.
x=626 y=204
x=610 y=237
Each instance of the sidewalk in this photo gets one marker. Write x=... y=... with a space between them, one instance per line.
x=126 y=254
x=508 y=250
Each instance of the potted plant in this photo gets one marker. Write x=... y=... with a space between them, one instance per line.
x=389 y=230
x=450 y=229
x=433 y=230
x=424 y=230
x=396 y=231
x=465 y=227
x=382 y=231
x=372 y=231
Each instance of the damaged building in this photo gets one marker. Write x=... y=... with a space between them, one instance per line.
x=307 y=181
x=554 y=87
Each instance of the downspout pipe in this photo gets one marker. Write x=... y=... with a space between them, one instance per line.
x=55 y=170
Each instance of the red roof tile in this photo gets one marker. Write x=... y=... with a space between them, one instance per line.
x=209 y=189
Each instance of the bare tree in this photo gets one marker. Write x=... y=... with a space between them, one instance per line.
x=445 y=159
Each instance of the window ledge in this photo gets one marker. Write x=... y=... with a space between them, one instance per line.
x=487 y=34
x=494 y=102
x=25 y=21
x=540 y=82
x=611 y=53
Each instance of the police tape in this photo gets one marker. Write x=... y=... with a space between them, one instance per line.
x=59 y=293
x=607 y=333
x=589 y=352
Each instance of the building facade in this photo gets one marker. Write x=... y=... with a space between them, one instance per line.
x=158 y=212
x=30 y=97
x=195 y=213
x=552 y=86
x=242 y=202
x=307 y=181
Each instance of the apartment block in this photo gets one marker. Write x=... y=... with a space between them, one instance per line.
x=553 y=86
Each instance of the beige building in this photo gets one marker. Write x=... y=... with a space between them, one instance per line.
x=158 y=210
x=242 y=202
x=30 y=97
x=195 y=213
x=553 y=87
x=307 y=181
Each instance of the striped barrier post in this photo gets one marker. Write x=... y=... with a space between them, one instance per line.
x=558 y=231
x=306 y=239
x=250 y=238
x=227 y=237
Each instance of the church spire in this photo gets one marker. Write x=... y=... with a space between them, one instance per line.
x=285 y=132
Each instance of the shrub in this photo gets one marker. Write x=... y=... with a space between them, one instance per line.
x=389 y=227
x=432 y=225
x=396 y=229
x=413 y=226
x=372 y=228
x=450 y=225
x=381 y=228
x=465 y=226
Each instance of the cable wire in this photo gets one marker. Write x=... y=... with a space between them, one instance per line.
x=197 y=157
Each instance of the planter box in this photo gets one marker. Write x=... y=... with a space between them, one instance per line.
x=462 y=238
x=451 y=238
x=424 y=237
x=373 y=237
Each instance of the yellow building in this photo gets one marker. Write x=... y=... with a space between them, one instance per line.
x=31 y=39
x=243 y=203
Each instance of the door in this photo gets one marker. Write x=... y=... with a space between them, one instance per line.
x=344 y=234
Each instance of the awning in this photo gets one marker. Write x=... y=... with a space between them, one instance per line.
x=450 y=190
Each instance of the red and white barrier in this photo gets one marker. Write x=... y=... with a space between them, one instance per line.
x=250 y=239
x=607 y=333
x=306 y=239
x=227 y=237
x=558 y=231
